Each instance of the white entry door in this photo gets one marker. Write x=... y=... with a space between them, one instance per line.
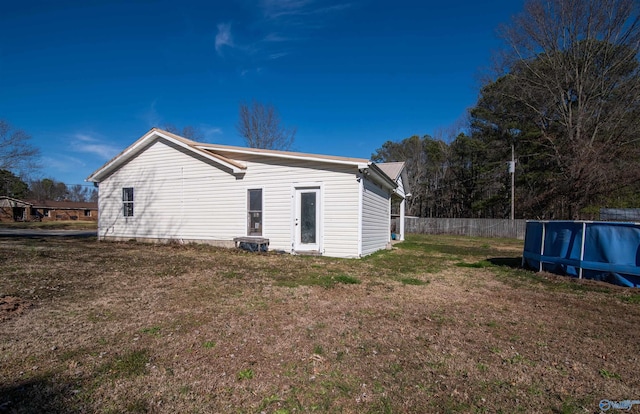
x=307 y=219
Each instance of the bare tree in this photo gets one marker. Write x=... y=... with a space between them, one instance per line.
x=80 y=193
x=426 y=163
x=48 y=189
x=261 y=127
x=16 y=153
x=572 y=64
x=189 y=132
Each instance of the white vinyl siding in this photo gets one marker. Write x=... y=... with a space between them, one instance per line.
x=173 y=197
x=181 y=196
x=376 y=218
x=339 y=198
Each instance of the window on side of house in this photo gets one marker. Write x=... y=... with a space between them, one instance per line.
x=127 y=201
x=87 y=213
x=254 y=212
x=45 y=212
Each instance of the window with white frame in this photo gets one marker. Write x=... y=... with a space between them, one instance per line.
x=254 y=212
x=127 y=201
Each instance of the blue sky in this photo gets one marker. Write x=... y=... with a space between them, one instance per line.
x=87 y=78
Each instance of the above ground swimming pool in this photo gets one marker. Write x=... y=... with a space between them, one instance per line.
x=598 y=250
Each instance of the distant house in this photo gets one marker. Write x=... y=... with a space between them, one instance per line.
x=50 y=210
x=12 y=209
x=165 y=187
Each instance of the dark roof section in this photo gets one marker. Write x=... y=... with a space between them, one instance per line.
x=62 y=205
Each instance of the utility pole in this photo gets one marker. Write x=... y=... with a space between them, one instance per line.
x=512 y=170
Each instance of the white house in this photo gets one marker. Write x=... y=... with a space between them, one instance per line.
x=398 y=173
x=165 y=187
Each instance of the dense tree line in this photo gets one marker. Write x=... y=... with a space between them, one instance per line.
x=452 y=179
x=567 y=100
x=45 y=189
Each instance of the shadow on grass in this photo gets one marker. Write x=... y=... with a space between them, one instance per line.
x=51 y=393
x=43 y=235
x=37 y=395
x=512 y=262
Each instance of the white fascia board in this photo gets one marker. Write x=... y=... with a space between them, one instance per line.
x=145 y=140
x=399 y=193
x=121 y=158
x=234 y=168
x=291 y=156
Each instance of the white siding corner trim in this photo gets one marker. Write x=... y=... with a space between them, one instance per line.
x=360 y=211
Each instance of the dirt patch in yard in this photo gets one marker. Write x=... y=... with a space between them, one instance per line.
x=12 y=306
x=432 y=326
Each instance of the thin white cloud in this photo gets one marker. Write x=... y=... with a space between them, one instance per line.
x=279 y=9
x=84 y=137
x=210 y=132
x=151 y=116
x=274 y=9
x=277 y=55
x=90 y=145
x=275 y=37
x=101 y=150
x=63 y=163
x=284 y=27
x=223 y=37
x=332 y=9
x=245 y=72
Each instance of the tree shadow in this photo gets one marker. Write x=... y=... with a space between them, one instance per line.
x=43 y=394
x=43 y=235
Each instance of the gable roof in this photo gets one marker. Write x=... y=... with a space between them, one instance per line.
x=392 y=169
x=221 y=154
x=6 y=201
x=396 y=170
x=63 y=204
x=153 y=135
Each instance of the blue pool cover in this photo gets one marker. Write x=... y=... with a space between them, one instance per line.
x=586 y=249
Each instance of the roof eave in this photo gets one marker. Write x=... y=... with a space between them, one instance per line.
x=286 y=155
x=383 y=178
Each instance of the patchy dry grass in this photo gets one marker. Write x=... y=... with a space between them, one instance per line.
x=440 y=324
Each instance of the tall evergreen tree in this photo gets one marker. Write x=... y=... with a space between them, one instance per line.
x=12 y=186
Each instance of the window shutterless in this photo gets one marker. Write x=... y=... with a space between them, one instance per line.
x=127 y=201
x=254 y=212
